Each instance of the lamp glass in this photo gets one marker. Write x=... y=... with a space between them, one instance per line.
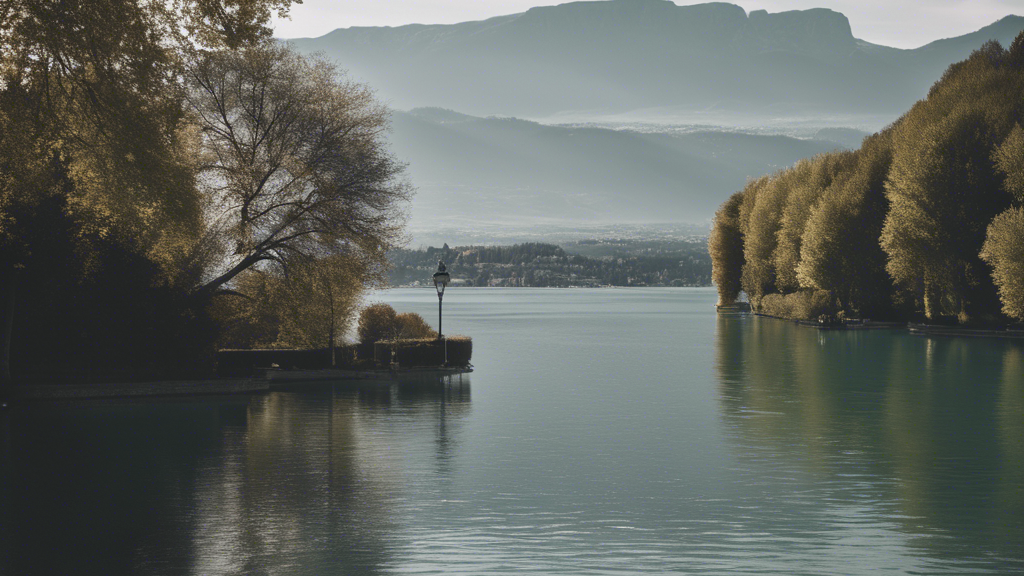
x=441 y=280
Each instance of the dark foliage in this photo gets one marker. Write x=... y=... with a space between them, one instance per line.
x=109 y=317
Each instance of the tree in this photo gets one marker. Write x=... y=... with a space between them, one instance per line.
x=230 y=24
x=839 y=251
x=294 y=162
x=376 y=322
x=89 y=125
x=253 y=319
x=943 y=191
x=1004 y=251
x=92 y=124
x=760 y=235
x=725 y=244
x=104 y=79
x=317 y=301
x=1009 y=158
x=811 y=178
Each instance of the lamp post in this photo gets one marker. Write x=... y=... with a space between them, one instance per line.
x=441 y=279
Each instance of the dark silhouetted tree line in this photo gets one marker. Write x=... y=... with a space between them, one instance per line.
x=924 y=220
x=166 y=170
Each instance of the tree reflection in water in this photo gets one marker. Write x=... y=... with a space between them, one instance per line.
x=298 y=482
x=886 y=431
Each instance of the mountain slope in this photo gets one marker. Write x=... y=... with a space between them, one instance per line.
x=514 y=171
x=622 y=55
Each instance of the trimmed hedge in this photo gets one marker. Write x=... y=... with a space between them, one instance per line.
x=245 y=362
x=411 y=353
x=418 y=352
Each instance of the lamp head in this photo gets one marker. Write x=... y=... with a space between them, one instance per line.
x=441 y=278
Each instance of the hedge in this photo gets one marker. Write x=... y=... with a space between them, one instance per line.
x=245 y=362
x=411 y=353
x=417 y=352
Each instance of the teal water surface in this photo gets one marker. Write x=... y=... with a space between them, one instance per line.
x=604 y=431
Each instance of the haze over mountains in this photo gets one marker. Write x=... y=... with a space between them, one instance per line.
x=611 y=57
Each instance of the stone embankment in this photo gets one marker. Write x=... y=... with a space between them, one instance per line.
x=136 y=389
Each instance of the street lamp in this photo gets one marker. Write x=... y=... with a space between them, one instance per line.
x=441 y=279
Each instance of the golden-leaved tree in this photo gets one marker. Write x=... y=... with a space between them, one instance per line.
x=760 y=218
x=943 y=192
x=1004 y=251
x=840 y=252
x=318 y=302
x=725 y=244
x=1004 y=241
x=812 y=178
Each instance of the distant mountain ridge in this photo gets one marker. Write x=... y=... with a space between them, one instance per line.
x=504 y=170
x=619 y=55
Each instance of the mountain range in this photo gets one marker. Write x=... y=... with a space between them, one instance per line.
x=616 y=56
x=516 y=172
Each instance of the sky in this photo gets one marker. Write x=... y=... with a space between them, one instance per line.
x=897 y=23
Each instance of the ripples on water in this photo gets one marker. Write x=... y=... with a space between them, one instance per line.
x=604 y=432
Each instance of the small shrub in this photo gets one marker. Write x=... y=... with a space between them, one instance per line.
x=412 y=325
x=377 y=322
x=815 y=305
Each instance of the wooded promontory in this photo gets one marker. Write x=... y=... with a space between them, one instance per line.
x=924 y=220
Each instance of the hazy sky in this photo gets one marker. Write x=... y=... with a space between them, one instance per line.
x=899 y=23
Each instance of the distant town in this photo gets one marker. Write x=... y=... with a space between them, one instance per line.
x=582 y=263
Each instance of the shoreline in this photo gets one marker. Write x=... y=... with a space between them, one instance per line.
x=267 y=380
x=211 y=387
x=570 y=287
x=911 y=328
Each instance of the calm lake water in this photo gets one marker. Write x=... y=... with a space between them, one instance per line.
x=608 y=431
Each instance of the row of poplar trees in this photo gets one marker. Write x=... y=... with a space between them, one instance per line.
x=168 y=172
x=925 y=219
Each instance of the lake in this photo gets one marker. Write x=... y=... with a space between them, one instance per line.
x=604 y=431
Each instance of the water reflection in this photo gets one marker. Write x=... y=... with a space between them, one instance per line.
x=288 y=482
x=924 y=436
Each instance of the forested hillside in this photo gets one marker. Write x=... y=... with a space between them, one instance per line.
x=924 y=220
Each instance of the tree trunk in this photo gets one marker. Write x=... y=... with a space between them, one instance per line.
x=330 y=294
x=334 y=362
x=8 y=293
x=931 y=301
